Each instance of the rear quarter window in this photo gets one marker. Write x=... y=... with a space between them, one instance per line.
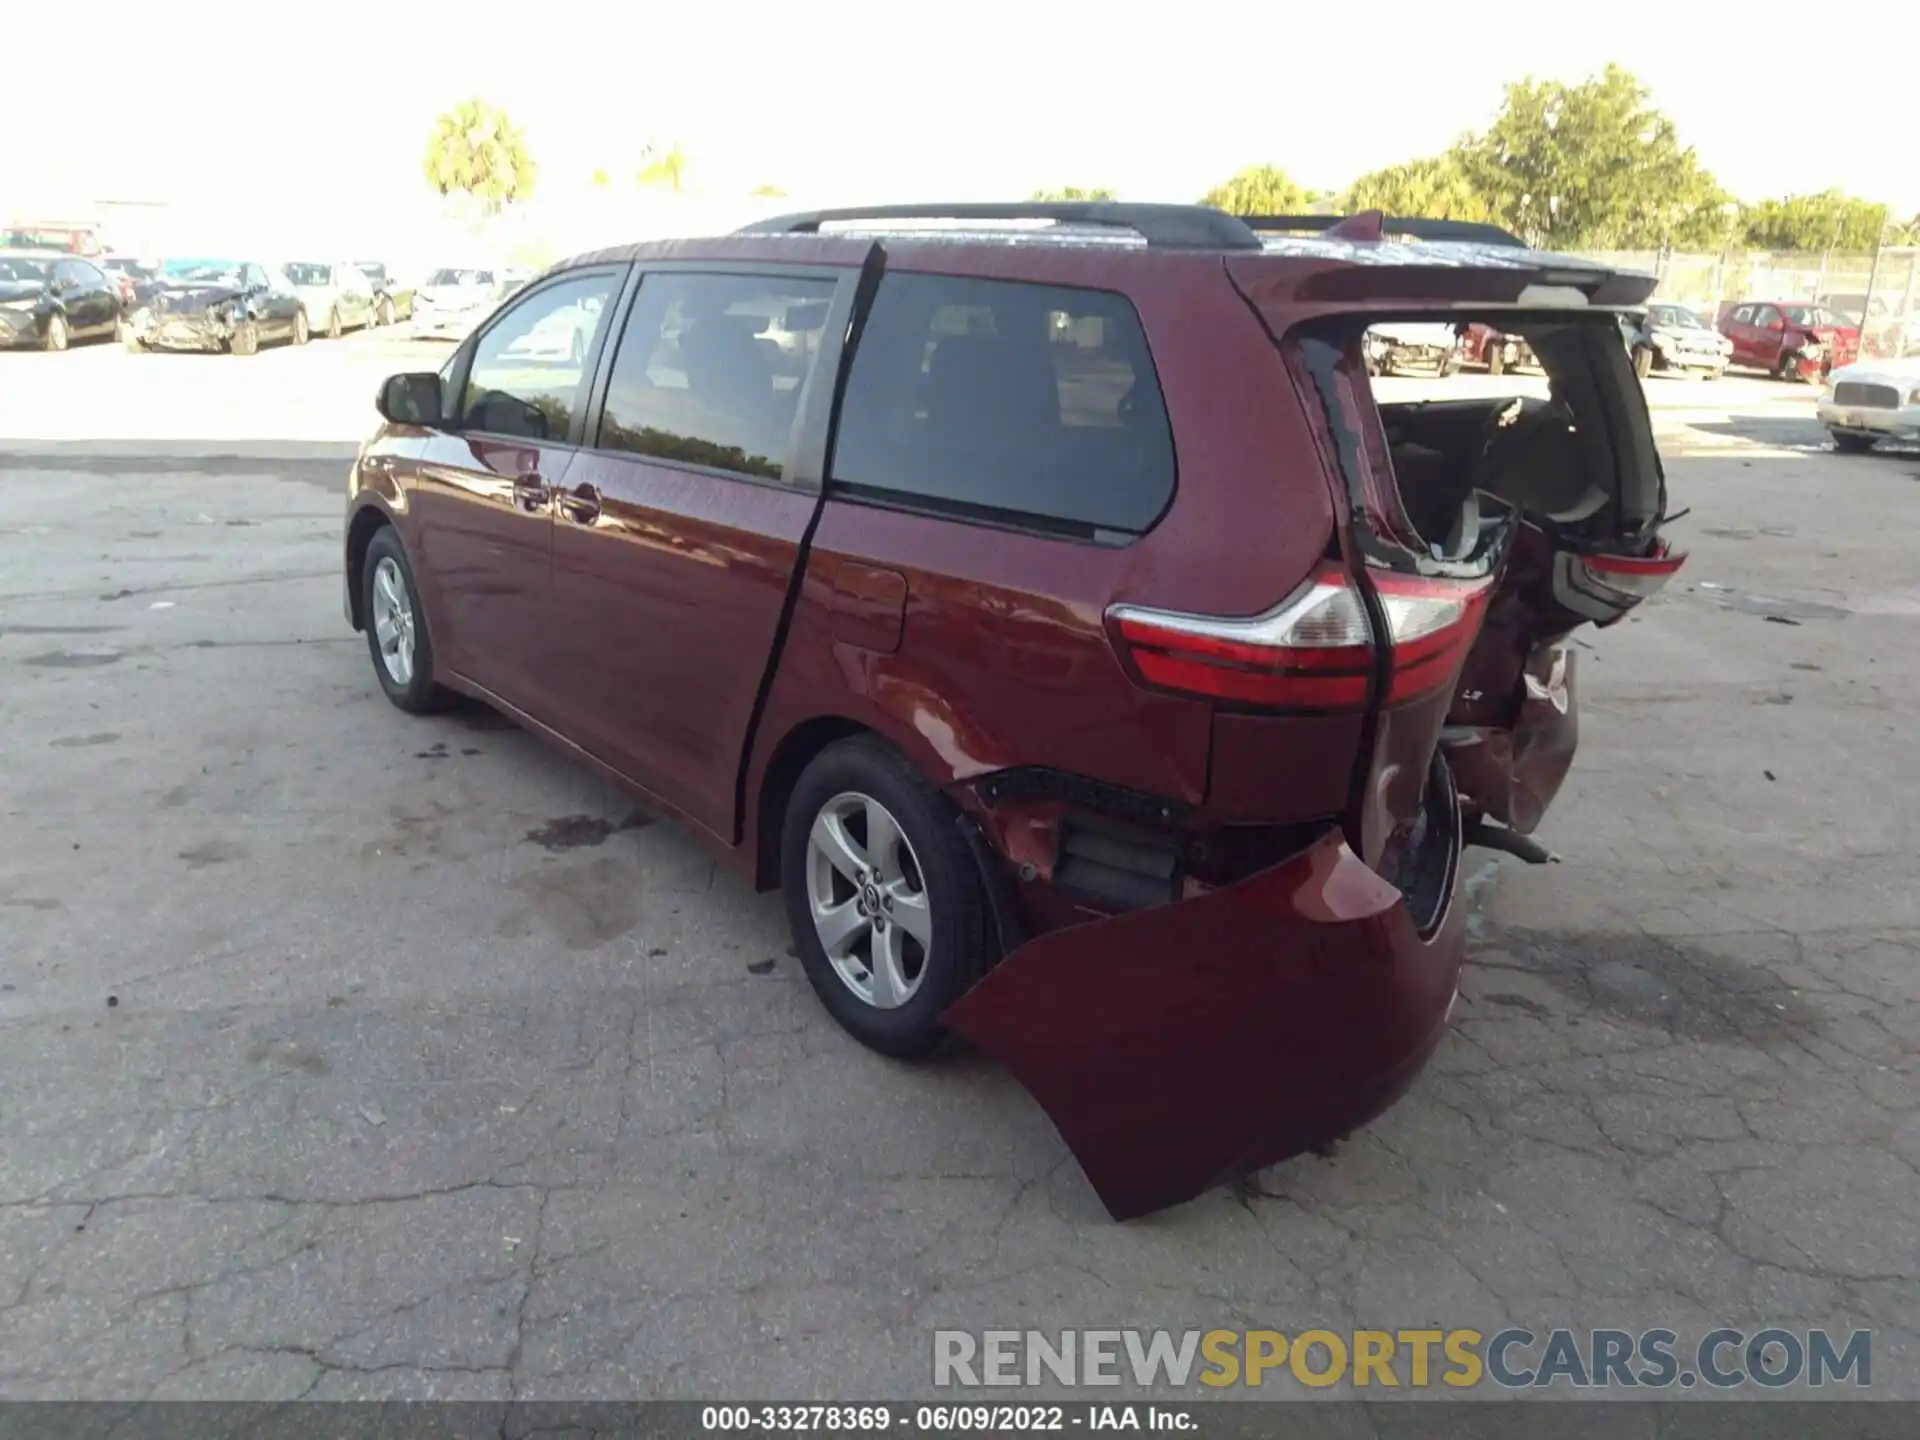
x=1009 y=401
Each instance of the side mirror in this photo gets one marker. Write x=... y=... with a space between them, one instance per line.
x=412 y=398
x=1777 y=324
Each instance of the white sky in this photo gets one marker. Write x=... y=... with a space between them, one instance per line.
x=845 y=100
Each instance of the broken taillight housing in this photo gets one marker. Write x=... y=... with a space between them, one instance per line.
x=1602 y=588
x=1314 y=650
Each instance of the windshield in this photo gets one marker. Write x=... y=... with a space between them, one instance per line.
x=203 y=272
x=461 y=277
x=1813 y=315
x=15 y=268
x=1679 y=317
x=303 y=274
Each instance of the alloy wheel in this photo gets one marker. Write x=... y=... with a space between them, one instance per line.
x=56 y=333
x=868 y=899
x=393 y=621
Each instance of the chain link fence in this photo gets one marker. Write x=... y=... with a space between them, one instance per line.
x=1882 y=289
x=1890 y=305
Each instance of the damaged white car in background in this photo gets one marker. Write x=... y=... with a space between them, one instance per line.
x=1870 y=401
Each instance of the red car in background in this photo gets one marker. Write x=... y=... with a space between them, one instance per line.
x=1498 y=351
x=1790 y=341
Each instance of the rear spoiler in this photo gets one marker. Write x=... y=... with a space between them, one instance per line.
x=1371 y=225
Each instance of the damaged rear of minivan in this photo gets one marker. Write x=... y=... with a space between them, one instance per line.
x=1302 y=960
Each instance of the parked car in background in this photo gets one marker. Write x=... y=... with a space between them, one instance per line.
x=1870 y=401
x=337 y=296
x=234 y=306
x=1156 y=792
x=1790 y=341
x=70 y=237
x=1671 y=339
x=1495 y=350
x=49 y=299
x=392 y=300
x=133 y=276
x=1396 y=347
x=452 y=301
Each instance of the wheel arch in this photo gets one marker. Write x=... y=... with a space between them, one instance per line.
x=367 y=522
x=794 y=752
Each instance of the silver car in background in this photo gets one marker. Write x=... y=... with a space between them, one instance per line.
x=337 y=296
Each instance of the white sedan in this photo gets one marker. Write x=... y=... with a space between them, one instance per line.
x=1870 y=401
x=452 y=301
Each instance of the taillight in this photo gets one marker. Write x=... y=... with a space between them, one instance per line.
x=1314 y=650
x=1604 y=587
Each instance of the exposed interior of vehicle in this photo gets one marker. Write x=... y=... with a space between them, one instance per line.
x=1583 y=458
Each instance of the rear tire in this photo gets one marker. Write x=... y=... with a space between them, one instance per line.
x=57 y=334
x=333 y=323
x=301 y=334
x=1848 y=443
x=1643 y=362
x=398 y=638
x=847 y=792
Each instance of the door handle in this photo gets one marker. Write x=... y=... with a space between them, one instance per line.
x=580 y=504
x=530 y=492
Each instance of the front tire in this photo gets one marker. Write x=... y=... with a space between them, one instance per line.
x=888 y=913
x=245 y=339
x=333 y=323
x=57 y=334
x=1643 y=362
x=1848 y=443
x=300 y=334
x=396 y=621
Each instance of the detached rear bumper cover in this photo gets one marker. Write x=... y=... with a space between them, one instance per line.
x=1180 y=1046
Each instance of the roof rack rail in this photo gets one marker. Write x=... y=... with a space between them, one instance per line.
x=1174 y=227
x=1413 y=225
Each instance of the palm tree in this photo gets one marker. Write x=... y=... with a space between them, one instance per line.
x=474 y=151
x=666 y=166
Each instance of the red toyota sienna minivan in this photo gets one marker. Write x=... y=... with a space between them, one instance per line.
x=1041 y=599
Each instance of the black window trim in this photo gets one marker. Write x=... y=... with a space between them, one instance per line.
x=455 y=396
x=802 y=467
x=989 y=517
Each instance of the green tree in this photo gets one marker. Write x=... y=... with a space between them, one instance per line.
x=1258 y=190
x=1831 y=220
x=664 y=165
x=1435 y=187
x=1073 y=192
x=1591 y=165
x=475 y=152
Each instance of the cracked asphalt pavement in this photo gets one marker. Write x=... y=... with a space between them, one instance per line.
x=344 y=1054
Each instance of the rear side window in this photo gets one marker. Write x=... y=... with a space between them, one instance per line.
x=1028 y=402
x=710 y=368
